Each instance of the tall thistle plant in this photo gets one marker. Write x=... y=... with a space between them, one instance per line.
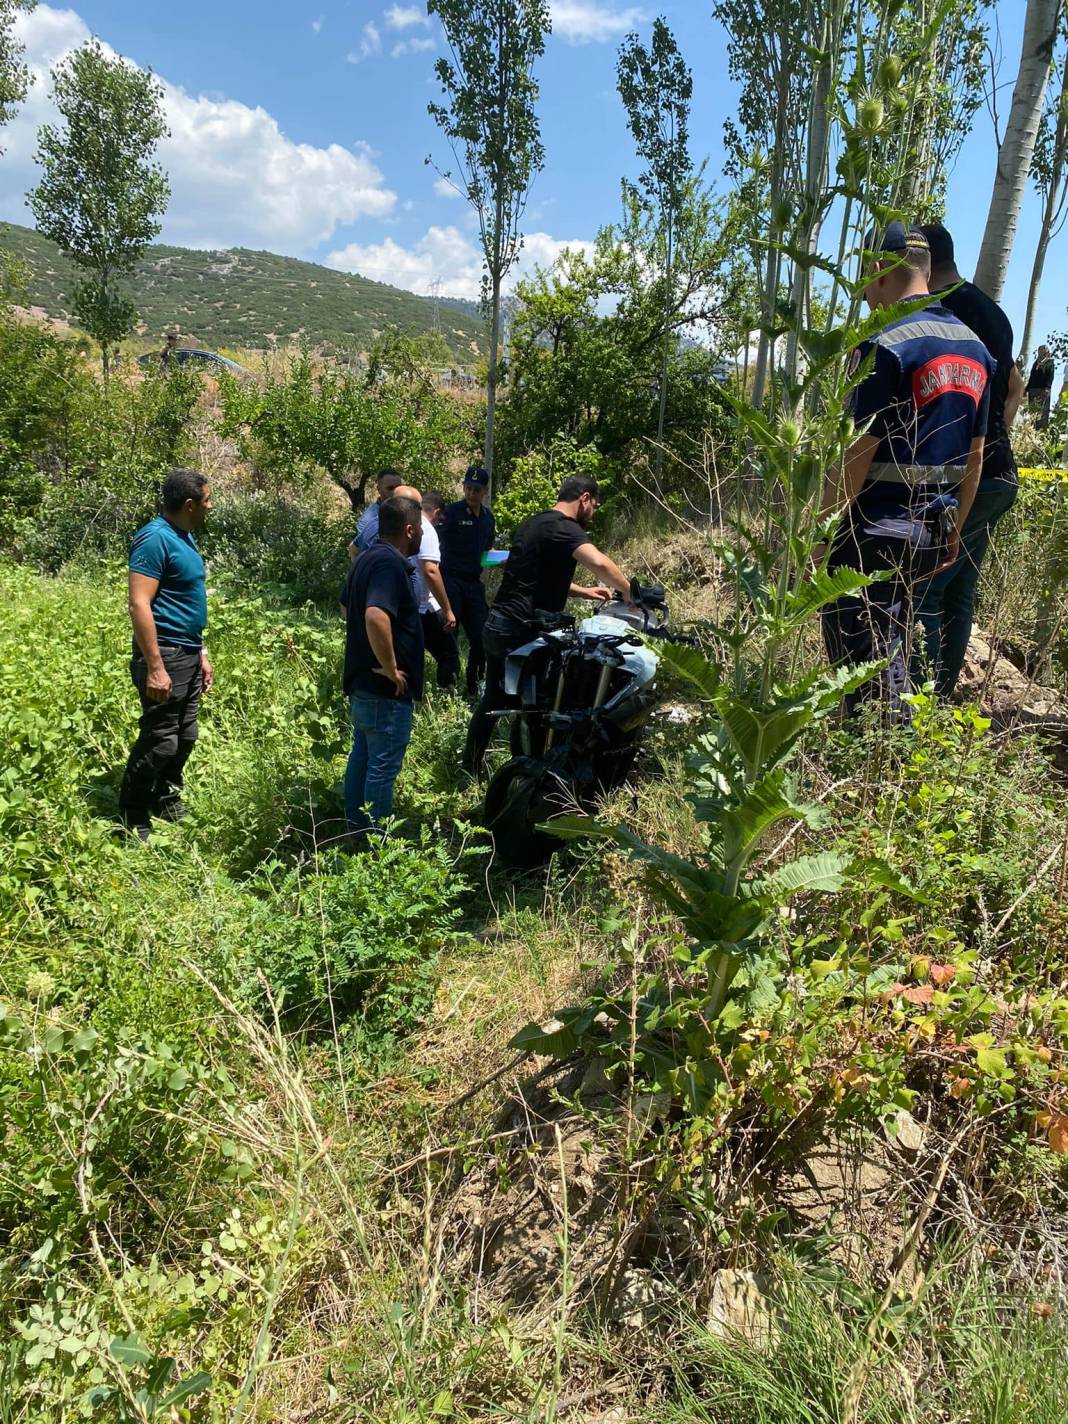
x=761 y=699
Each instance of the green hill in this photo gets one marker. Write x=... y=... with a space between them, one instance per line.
x=250 y=299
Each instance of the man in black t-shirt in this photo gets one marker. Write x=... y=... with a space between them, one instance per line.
x=945 y=605
x=539 y=578
x=383 y=676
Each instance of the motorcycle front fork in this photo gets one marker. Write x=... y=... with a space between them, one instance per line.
x=598 y=698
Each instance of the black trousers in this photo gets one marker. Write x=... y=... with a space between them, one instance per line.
x=500 y=637
x=442 y=647
x=468 y=599
x=152 y=782
x=877 y=624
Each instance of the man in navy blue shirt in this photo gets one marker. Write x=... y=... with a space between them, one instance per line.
x=908 y=481
x=383 y=676
x=466 y=532
x=387 y=483
x=945 y=605
x=170 y=667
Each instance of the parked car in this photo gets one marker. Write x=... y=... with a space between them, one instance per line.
x=190 y=355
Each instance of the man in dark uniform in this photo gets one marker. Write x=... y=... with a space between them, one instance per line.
x=945 y=605
x=907 y=483
x=538 y=578
x=466 y=532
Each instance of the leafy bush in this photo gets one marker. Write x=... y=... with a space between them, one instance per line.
x=294 y=548
x=119 y=445
x=535 y=479
x=362 y=937
x=42 y=383
x=304 y=417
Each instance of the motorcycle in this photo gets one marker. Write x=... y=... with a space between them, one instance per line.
x=583 y=695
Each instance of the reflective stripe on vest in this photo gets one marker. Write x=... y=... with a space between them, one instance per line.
x=915 y=474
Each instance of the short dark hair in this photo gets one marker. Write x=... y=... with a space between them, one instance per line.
x=395 y=514
x=940 y=241
x=433 y=500
x=575 y=486
x=179 y=486
x=388 y=476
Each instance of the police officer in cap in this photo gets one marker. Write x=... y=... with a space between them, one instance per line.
x=906 y=485
x=465 y=533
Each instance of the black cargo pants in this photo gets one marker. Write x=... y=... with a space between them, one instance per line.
x=152 y=782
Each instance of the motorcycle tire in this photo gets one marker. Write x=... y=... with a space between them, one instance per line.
x=519 y=798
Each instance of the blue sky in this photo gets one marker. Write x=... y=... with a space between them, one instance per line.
x=304 y=129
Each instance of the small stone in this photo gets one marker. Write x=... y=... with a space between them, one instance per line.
x=739 y=1309
x=648 y=1107
x=906 y=1133
x=640 y=1299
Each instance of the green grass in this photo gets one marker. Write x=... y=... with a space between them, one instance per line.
x=969 y=1351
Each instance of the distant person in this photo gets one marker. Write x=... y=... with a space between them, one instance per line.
x=945 y=605
x=466 y=533
x=908 y=482
x=170 y=666
x=387 y=483
x=435 y=609
x=1040 y=386
x=383 y=674
x=170 y=345
x=538 y=578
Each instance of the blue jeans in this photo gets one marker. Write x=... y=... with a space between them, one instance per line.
x=945 y=605
x=381 y=731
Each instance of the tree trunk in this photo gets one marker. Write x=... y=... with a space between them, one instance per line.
x=1052 y=210
x=491 y=379
x=105 y=361
x=774 y=258
x=1032 y=290
x=1014 y=156
x=819 y=134
x=664 y=357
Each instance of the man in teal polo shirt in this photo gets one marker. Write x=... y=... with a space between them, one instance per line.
x=170 y=667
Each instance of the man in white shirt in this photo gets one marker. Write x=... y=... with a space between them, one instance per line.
x=439 y=622
x=435 y=612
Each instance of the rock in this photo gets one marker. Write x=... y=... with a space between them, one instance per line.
x=1004 y=692
x=650 y=1108
x=740 y=1308
x=846 y=1191
x=641 y=1299
x=904 y=1133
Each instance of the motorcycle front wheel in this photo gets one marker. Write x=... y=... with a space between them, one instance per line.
x=521 y=796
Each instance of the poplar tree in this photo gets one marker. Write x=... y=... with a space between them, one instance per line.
x=14 y=76
x=1049 y=173
x=656 y=86
x=1015 y=150
x=490 y=121
x=102 y=193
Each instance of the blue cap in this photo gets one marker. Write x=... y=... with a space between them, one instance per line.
x=897 y=237
x=476 y=475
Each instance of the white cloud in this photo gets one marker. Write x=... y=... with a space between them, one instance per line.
x=317 y=24
x=403 y=17
x=370 y=44
x=444 y=255
x=236 y=179
x=587 y=22
x=416 y=45
x=445 y=189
